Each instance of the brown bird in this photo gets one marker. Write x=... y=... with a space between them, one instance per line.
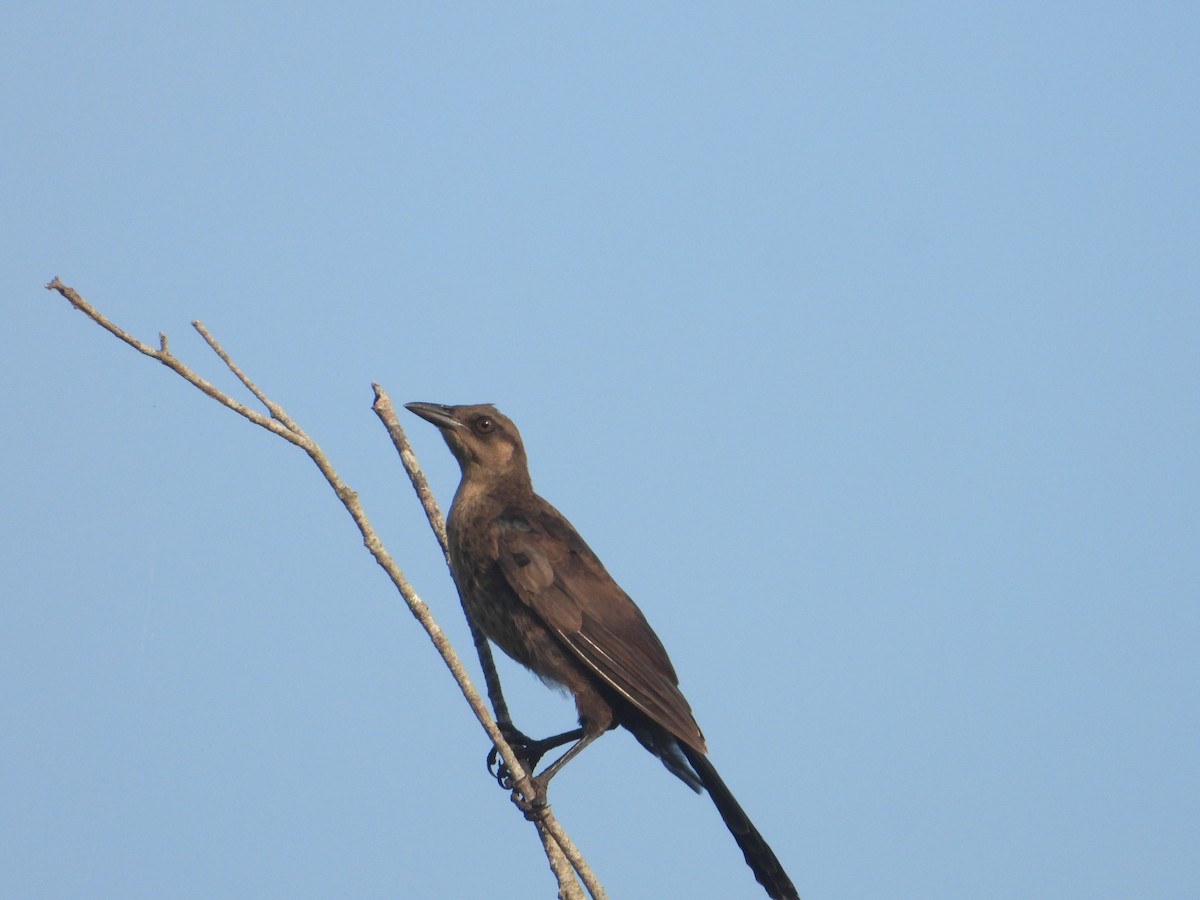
x=539 y=593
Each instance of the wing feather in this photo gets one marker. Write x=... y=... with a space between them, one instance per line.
x=557 y=576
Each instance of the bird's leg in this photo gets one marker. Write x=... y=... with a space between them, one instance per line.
x=585 y=738
x=540 y=782
x=528 y=751
x=596 y=716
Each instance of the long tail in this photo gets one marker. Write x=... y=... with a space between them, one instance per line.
x=759 y=856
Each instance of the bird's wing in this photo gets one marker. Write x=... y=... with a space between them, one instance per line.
x=558 y=577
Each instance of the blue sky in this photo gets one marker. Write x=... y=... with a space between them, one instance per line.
x=861 y=342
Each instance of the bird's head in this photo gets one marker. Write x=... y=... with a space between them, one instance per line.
x=485 y=442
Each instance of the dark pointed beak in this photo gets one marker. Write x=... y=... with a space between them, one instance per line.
x=439 y=415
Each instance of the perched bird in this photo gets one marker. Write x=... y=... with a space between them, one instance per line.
x=538 y=592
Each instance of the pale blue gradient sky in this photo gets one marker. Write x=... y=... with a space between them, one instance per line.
x=862 y=343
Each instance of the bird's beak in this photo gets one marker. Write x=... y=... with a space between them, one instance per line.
x=439 y=415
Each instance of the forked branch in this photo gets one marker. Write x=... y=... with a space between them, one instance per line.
x=560 y=851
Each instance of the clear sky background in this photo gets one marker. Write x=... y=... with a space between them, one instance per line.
x=862 y=342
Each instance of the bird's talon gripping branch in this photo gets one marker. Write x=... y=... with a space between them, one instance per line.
x=535 y=808
x=528 y=752
x=499 y=769
x=496 y=768
x=518 y=741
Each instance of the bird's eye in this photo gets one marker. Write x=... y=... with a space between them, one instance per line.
x=484 y=424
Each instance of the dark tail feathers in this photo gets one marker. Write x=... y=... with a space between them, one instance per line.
x=759 y=856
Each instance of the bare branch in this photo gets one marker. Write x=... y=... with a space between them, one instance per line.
x=163 y=355
x=281 y=424
x=387 y=414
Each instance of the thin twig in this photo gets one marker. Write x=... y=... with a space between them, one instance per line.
x=387 y=415
x=281 y=424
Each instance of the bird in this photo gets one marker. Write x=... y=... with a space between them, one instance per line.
x=537 y=591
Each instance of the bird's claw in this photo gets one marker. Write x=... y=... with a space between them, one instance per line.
x=498 y=770
x=527 y=750
x=535 y=808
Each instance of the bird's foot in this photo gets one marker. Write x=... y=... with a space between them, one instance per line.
x=533 y=807
x=528 y=752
